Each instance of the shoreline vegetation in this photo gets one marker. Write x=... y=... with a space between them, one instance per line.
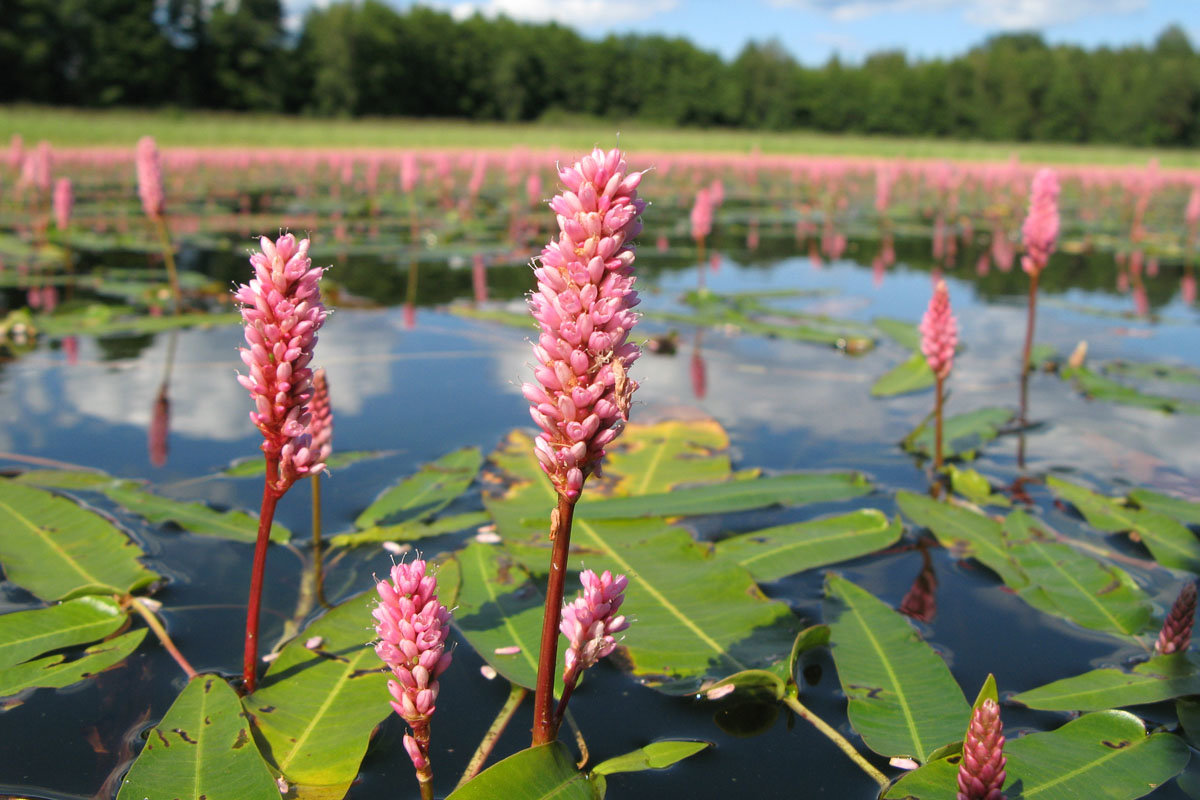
x=68 y=127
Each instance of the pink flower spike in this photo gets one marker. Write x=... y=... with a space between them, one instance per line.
x=590 y=621
x=1176 y=633
x=150 y=179
x=320 y=427
x=584 y=303
x=282 y=312
x=412 y=626
x=64 y=202
x=939 y=332
x=981 y=771
x=1040 y=230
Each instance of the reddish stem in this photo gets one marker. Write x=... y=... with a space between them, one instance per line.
x=544 y=729
x=1025 y=358
x=266 y=516
x=937 y=423
x=570 y=680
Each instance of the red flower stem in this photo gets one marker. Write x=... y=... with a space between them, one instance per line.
x=570 y=680
x=544 y=729
x=164 y=638
x=266 y=516
x=939 y=398
x=1025 y=358
x=169 y=257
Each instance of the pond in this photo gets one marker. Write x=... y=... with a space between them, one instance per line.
x=762 y=351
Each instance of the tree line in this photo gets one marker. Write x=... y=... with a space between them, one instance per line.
x=369 y=59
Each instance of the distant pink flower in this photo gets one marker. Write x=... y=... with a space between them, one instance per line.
x=150 y=178
x=16 y=151
x=1176 y=633
x=981 y=772
x=64 y=202
x=1187 y=288
x=716 y=192
x=884 y=178
x=1040 y=230
x=282 y=310
x=584 y=305
x=160 y=428
x=702 y=215
x=320 y=426
x=589 y=621
x=412 y=626
x=479 y=278
x=939 y=332
x=533 y=188
x=1191 y=214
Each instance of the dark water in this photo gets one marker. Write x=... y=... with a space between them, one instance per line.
x=446 y=382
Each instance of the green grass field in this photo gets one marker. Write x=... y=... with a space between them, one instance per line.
x=72 y=128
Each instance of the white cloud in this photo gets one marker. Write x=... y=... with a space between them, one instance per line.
x=583 y=14
x=1007 y=14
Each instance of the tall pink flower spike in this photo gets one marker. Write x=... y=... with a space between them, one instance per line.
x=150 y=179
x=939 y=332
x=1040 y=230
x=320 y=426
x=64 y=202
x=412 y=626
x=282 y=311
x=1176 y=633
x=981 y=772
x=584 y=303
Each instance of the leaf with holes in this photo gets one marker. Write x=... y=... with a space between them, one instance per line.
x=26 y=634
x=903 y=700
x=1169 y=541
x=314 y=710
x=774 y=553
x=546 y=772
x=201 y=748
x=1105 y=755
x=52 y=672
x=56 y=549
x=427 y=492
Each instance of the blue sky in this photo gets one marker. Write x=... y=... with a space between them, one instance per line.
x=815 y=29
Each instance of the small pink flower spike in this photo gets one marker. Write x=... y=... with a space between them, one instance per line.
x=64 y=202
x=1176 y=632
x=150 y=179
x=590 y=621
x=584 y=306
x=412 y=626
x=282 y=312
x=939 y=332
x=981 y=771
x=320 y=427
x=1040 y=230
x=702 y=215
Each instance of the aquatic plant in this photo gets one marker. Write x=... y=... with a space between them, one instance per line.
x=939 y=338
x=981 y=771
x=589 y=622
x=1040 y=235
x=148 y=164
x=320 y=428
x=1176 y=633
x=412 y=626
x=64 y=201
x=282 y=312
x=583 y=305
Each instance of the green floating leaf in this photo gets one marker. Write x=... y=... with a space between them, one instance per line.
x=698 y=620
x=656 y=755
x=1153 y=371
x=1176 y=508
x=774 y=553
x=427 y=492
x=52 y=673
x=734 y=495
x=56 y=549
x=65 y=479
x=512 y=319
x=976 y=488
x=497 y=608
x=1101 y=756
x=905 y=334
x=202 y=748
x=314 y=710
x=104 y=320
x=196 y=518
x=1098 y=387
x=253 y=467
x=964 y=533
x=546 y=772
x=25 y=634
x=411 y=530
x=1160 y=678
x=903 y=700
x=912 y=375
x=962 y=434
x=1170 y=542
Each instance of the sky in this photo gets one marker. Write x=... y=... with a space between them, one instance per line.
x=813 y=30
